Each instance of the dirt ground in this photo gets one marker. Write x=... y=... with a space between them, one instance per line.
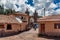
x=28 y=35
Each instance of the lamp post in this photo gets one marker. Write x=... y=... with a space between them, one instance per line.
x=44 y=12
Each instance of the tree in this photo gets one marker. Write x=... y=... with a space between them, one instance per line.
x=1 y=9
x=6 y=11
x=9 y=11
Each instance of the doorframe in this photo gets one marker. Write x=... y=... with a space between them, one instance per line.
x=42 y=28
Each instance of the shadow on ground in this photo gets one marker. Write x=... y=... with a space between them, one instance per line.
x=50 y=37
x=11 y=34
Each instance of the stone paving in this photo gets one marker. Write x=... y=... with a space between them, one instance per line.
x=28 y=35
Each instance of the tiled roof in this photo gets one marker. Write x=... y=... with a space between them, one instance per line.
x=50 y=18
x=8 y=19
x=22 y=14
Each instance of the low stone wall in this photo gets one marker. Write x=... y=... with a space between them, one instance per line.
x=4 y=34
x=52 y=34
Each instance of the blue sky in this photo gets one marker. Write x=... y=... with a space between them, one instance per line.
x=52 y=6
x=56 y=2
x=30 y=2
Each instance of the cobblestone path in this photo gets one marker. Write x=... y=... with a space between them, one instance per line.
x=28 y=35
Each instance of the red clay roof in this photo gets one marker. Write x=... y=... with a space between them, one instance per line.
x=50 y=18
x=20 y=14
x=8 y=19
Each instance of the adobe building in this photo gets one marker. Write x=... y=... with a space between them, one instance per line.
x=13 y=23
x=8 y=24
x=23 y=19
x=49 y=25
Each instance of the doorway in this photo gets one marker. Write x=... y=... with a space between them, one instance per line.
x=42 y=28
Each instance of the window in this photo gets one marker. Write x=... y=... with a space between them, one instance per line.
x=23 y=19
x=57 y=26
x=9 y=27
x=2 y=26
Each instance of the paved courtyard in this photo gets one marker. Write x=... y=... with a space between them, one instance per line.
x=28 y=35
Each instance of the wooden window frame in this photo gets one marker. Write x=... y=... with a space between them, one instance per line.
x=2 y=26
x=57 y=26
x=9 y=27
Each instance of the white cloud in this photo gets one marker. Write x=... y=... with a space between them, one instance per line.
x=58 y=11
x=2 y=2
x=41 y=12
x=49 y=0
x=47 y=13
x=52 y=5
x=38 y=5
x=21 y=1
x=58 y=4
x=30 y=8
x=11 y=4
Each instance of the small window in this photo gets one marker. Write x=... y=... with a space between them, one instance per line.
x=2 y=26
x=9 y=27
x=21 y=17
x=57 y=26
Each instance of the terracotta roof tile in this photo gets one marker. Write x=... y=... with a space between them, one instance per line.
x=8 y=19
x=21 y=14
x=50 y=18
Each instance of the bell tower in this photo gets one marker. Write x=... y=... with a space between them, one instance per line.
x=35 y=16
x=27 y=12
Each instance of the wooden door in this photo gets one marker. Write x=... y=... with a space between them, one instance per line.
x=42 y=28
